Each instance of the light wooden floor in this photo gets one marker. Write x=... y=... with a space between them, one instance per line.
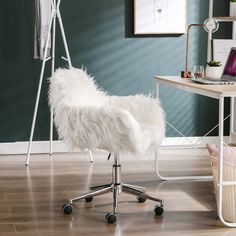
x=31 y=197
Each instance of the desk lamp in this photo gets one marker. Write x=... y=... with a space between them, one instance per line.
x=210 y=25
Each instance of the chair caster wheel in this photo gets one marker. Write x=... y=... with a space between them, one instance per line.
x=110 y=218
x=88 y=199
x=141 y=199
x=159 y=210
x=67 y=208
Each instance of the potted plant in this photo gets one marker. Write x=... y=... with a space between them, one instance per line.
x=213 y=70
x=232 y=8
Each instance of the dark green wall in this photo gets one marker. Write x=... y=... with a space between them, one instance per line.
x=99 y=35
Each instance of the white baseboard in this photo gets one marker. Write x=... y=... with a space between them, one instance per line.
x=192 y=141
x=233 y=138
x=37 y=147
x=58 y=146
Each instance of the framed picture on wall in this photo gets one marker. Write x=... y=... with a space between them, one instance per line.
x=160 y=16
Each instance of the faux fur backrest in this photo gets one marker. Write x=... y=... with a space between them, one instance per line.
x=87 y=117
x=74 y=87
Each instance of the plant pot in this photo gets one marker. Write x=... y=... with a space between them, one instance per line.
x=232 y=8
x=214 y=72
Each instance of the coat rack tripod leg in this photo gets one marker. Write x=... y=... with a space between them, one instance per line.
x=39 y=89
x=67 y=52
x=52 y=26
x=63 y=35
x=52 y=72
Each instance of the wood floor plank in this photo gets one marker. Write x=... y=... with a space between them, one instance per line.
x=31 y=197
x=7 y=228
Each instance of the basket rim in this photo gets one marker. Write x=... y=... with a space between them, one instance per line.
x=217 y=159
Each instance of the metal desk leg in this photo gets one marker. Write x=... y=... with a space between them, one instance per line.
x=207 y=177
x=175 y=178
x=220 y=165
x=232 y=118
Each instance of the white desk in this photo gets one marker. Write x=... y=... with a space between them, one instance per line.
x=214 y=91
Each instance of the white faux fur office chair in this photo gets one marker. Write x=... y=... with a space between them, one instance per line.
x=87 y=118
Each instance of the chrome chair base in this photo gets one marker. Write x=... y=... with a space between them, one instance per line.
x=116 y=187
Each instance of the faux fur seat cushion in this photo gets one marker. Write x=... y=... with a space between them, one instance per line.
x=87 y=117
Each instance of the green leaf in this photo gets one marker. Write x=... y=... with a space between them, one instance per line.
x=214 y=63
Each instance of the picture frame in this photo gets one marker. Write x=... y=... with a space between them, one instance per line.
x=160 y=17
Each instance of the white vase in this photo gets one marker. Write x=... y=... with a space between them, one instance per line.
x=232 y=8
x=214 y=72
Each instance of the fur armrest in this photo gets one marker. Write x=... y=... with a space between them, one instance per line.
x=144 y=109
x=106 y=128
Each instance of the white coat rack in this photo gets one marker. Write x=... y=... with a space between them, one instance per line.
x=52 y=29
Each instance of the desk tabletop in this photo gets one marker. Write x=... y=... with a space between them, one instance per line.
x=215 y=91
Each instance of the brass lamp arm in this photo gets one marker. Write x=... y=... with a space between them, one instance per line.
x=187 y=43
x=186 y=73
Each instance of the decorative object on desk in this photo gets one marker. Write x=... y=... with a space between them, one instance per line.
x=210 y=25
x=221 y=49
x=232 y=8
x=213 y=70
x=198 y=72
x=186 y=73
x=159 y=17
x=214 y=63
